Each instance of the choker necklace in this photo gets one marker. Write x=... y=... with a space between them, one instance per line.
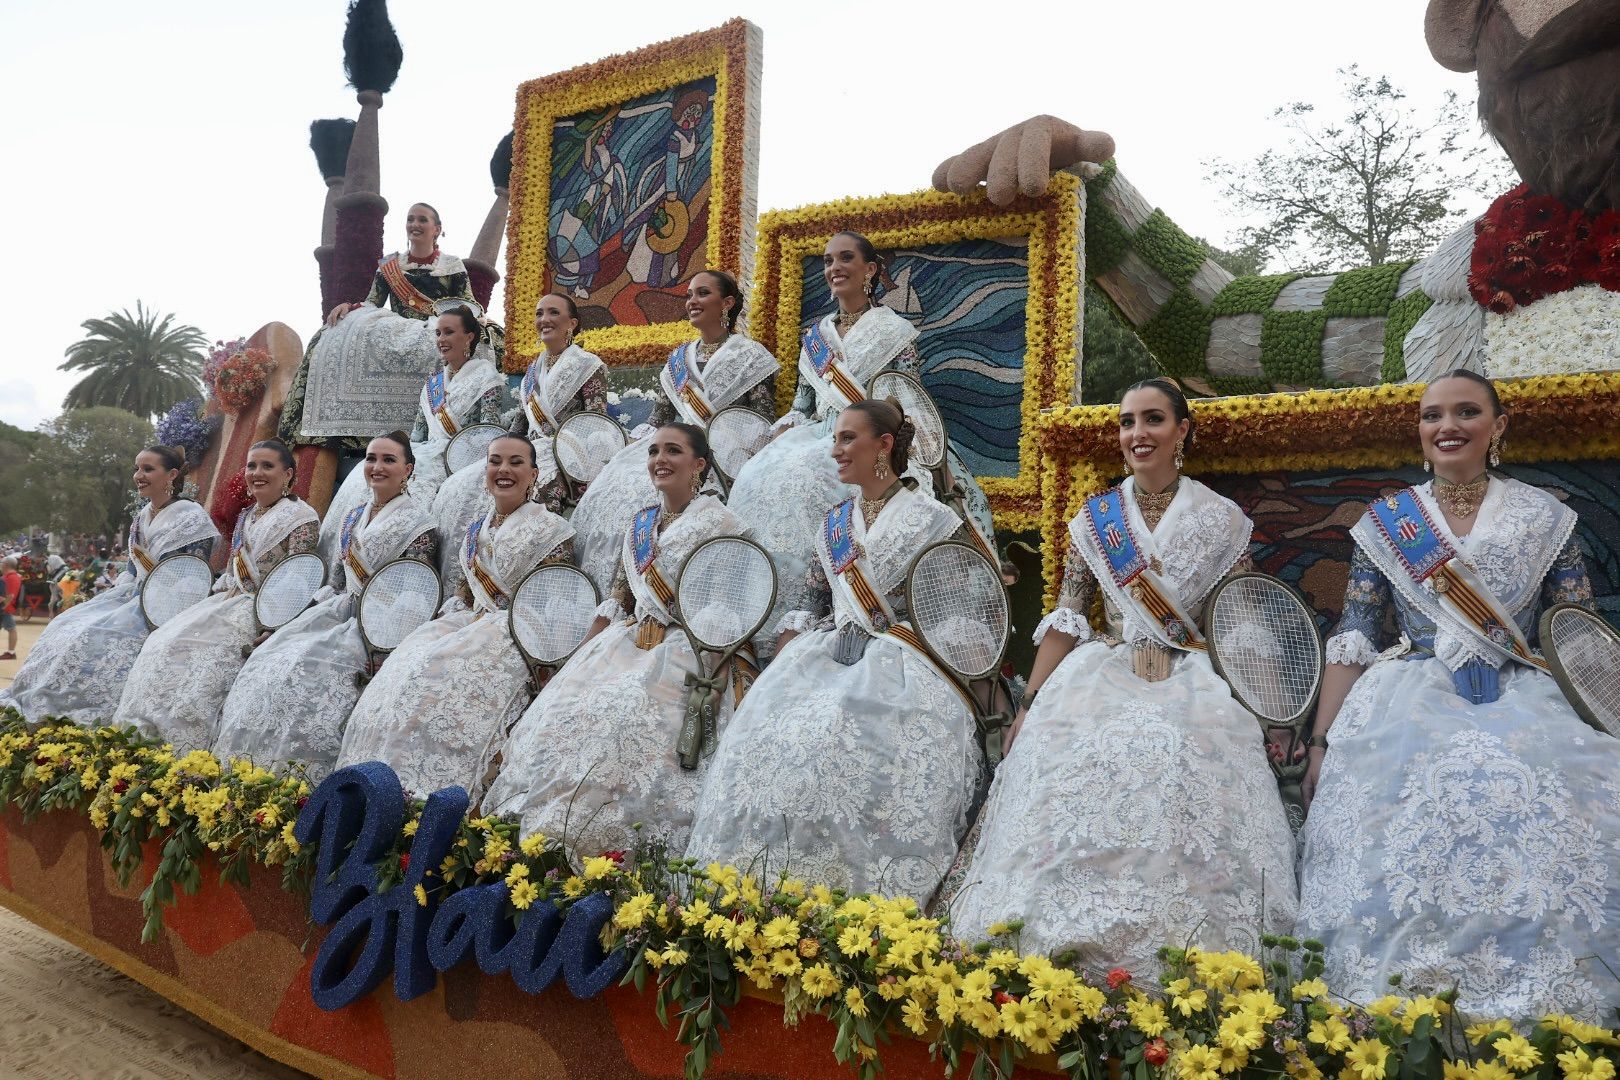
x=428 y=261
x=705 y=350
x=1153 y=505
x=847 y=319
x=1461 y=499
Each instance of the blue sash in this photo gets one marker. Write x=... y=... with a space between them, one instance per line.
x=435 y=390
x=816 y=348
x=244 y=573
x=349 y=522
x=1106 y=515
x=1411 y=535
x=644 y=536
x=839 y=531
x=678 y=371
x=472 y=539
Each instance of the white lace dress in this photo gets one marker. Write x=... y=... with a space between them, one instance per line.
x=295 y=693
x=77 y=668
x=553 y=389
x=1462 y=843
x=786 y=489
x=1133 y=814
x=449 y=402
x=860 y=776
x=439 y=709
x=595 y=753
x=178 y=684
x=736 y=374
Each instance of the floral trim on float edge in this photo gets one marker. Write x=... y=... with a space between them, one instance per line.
x=1529 y=246
x=1555 y=418
x=870 y=965
x=1051 y=316
x=725 y=53
x=235 y=375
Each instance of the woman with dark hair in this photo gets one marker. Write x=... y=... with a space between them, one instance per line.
x=563 y=380
x=178 y=684
x=77 y=668
x=467 y=389
x=596 y=753
x=785 y=490
x=296 y=691
x=720 y=369
x=1131 y=756
x=439 y=709
x=361 y=371
x=1464 y=828
x=853 y=761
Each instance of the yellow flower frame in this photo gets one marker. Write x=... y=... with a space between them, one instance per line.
x=731 y=54
x=1052 y=224
x=1551 y=418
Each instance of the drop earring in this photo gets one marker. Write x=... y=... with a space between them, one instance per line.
x=1495 y=454
x=882 y=470
x=1180 y=460
x=1426 y=466
x=534 y=489
x=697 y=484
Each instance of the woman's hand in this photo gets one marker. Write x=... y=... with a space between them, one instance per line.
x=1012 y=732
x=338 y=312
x=1307 y=788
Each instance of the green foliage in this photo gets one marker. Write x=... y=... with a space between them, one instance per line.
x=1113 y=356
x=1240 y=384
x=21 y=503
x=1367 y=290
x=1107 y=239
x=1403 y=315
x=1291 y=347
x=1179 y=335
x=1167 y=249
x=1245 y=261
x=137 y=362
x=80 y=473
x=1250 y=295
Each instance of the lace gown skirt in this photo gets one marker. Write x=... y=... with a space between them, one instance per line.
x=1132 y=815
x=604 y=512
x=77 y=668
x=595 y=753
x=1476 y=844
x=856 y=777
x=440 y=707
x=179 y=682
x=295 y=693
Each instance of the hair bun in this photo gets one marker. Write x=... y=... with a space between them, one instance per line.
x=180 y=452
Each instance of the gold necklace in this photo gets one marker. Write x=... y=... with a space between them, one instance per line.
x=706 y=349
x=847 y=319
x=1154 y=504
x=1462 y=500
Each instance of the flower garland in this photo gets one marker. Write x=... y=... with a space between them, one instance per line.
x=1052 y=223
x=870 y=965
x=232 y=499
x=729 y=53
x=1553 y=417
x=186 y=425
x=1529 y=246
x=236 y=374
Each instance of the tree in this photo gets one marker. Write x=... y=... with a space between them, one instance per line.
x=22 y=504
x=135 y=362
x=1112 y=357
x=1380 y=184
x=82 y=471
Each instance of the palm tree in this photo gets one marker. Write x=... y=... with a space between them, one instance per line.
x=135 y=362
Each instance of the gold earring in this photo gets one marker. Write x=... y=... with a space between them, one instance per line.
x=1426 y=466
x=882 y=469
x=697 y=483
x=534 y=489
x=286 y=489
x=1495 y=454
x=1180 y=460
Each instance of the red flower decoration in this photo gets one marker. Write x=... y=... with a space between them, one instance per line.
x=1529 y=246
x=1117 y=978
x=404 y=861
x=1156 y=1052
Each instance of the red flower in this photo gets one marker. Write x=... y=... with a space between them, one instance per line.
x=404 y=862
x=1501 y=301
x=1001 y=997
x=1156 y=1052
x=42 y=760
x=120 y=786
x=1117 y=978
x=616 y=856
x=1529 y=246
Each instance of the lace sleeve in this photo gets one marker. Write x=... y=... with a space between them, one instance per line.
x=817 y=602
x=336 y=582
x=491 y=406
x=520 y=421
x=761 y=398
x=424 y=549
x=592 y=397
x=804 y=401
x=620 y=602
x=1074 y=599
x=379 y=294
x=1567 y=581
x=304 y=539
x=1357 y=636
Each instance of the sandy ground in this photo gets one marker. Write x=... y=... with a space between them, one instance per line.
x=67 y=1016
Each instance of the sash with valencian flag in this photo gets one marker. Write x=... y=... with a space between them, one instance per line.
x=644 y=548
x=351 y=557
x=470 y=556
x=839 y=532
x=400 y=285
x=1425 y=555
x=680 y=374
x=827 y=363
x=239 y=562
x=438 y=402
x=1132 y=573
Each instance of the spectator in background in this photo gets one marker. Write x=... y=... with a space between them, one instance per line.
x=11 y=583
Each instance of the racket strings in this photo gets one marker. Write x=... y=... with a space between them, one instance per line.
x=931 y=442
x=397 y=600
x=735 y=435
x=584 y=444
x=1268 y=648
x=174 y=585
x=288 y=589
x=552 y=612
x=725 y=591
x=1588 y=657
x=959 y=607
x=470 y=445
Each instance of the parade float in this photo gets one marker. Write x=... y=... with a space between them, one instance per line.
x=353 y=931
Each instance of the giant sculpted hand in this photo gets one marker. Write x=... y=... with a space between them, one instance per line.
x=1022 y=159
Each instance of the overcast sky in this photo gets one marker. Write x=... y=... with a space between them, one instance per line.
x=159 y=151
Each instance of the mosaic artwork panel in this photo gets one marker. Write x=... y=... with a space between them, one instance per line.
x=629 y=210
x=968 y=300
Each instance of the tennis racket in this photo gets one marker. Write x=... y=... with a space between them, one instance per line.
x=397 y=599
x=285 y=592
x=1583 y=652
x=1264 y=642
x=470 y=444
x=173 y=585
x=735 y=435
x=959 y=611
x=550 y=614
x=723 y=595
x=582 y=447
